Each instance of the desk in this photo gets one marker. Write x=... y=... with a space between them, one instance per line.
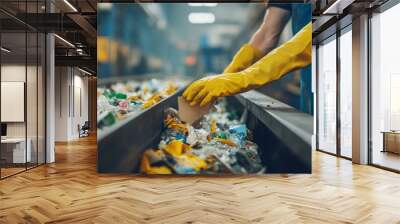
x=13 y=150
x=391 y=141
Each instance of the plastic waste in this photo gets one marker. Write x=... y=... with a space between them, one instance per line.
x=219 y=144
x=153 y=163
x=124 y=99
x=106 y=118
x=196 y=136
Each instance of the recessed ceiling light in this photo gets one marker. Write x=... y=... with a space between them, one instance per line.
x=203 y=4
x=201 y=17
x=104 y=6
x=70 y=5
x=64 y=40
x=84 y=71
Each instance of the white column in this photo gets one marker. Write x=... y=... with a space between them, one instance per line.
x=314 y=91
x=360 y=90
x=50 y=92
x=50 y=109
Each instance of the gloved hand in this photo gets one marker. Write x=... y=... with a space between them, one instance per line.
x=245 y=57
x=292 y=55
x=205 y=90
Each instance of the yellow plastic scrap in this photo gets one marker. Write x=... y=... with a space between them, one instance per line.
x=190 y=160
x=169 y=120
x=213 y=127
x=148 y=104
x=128 y=88
x=174 y=124
x=180 y=152
x=157 y=97
x=171 y=88
x=176 y=148
x=120 y=116
x=159 y=170
x=133 y=98
x=146 y=167
x=179 y=127
x=225 y=141
x=151 y=101
x=145 y=90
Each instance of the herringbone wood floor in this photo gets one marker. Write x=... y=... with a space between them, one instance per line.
x=71 y=191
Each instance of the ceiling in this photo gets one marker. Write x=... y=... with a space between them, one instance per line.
x=76 y=22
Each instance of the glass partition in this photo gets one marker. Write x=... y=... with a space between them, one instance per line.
x=22 y=87
x=385 y=89
x=327 y=95
x=346 y=92
x=14 y=153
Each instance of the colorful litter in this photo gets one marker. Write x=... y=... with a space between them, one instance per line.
x=121 y=100
x=217 y=144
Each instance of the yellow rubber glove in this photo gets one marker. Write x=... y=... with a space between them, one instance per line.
x=292 y=55
x=245 y=57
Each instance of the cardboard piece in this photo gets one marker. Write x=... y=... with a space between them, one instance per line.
x=191 y=114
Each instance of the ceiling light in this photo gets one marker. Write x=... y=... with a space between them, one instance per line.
x=337 y=7
x=104 y=6
x=5 y=50
x=79 y=51
x=201 y=17
x=203 y=4
x=65 y=41
x=70 y=5
x=84 y=71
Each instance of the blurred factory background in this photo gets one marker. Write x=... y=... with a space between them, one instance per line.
x=189 y=39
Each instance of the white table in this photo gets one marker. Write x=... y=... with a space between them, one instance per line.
x=18 y=145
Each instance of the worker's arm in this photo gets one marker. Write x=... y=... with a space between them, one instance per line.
x=292 y=55
x=262 y=42
x=266 y=38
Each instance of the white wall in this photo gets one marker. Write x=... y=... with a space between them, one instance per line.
x=80 y=100
x=14 y=73
x=70 y=83
x=61 y=103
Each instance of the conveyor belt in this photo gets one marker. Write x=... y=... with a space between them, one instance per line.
x=120 y=147
x=292 y=127
x=282 y=133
